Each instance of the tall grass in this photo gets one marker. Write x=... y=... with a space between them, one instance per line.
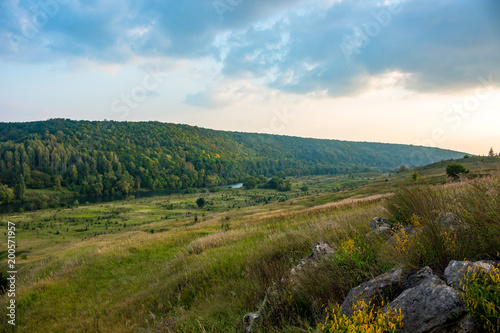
x=201 y=278
x=476 y=203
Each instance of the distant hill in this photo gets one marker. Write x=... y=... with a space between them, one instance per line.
x=108 y=156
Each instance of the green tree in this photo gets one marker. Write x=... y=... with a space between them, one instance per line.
x=201 y=202
x=491 y=152
x=414 y=176
x=57 y=184
x=274 y=183
x=250 y=183
x=455 y=170
x=6 y=194
x=20 y=189
x=285 y=186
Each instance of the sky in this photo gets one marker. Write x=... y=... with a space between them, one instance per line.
x=421 y=72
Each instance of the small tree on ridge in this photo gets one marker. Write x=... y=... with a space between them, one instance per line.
x=455 y=170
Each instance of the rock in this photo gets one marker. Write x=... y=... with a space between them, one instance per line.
x=452 y=221
x=465 y=325
x=456 y=270
x=380 y=225
x=427 y=303
x=320 y=252
x=449 y=219
x=378 y=222
x=409 y=231
x=416 y=279
x=371 y=290
x=250 y=320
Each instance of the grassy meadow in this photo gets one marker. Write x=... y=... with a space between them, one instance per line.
x=162 y=264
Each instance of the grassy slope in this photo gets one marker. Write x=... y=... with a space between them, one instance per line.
x=163 y=270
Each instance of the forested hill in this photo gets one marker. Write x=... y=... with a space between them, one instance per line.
x=108 y=156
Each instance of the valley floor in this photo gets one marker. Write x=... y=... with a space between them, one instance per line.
x=162 y=264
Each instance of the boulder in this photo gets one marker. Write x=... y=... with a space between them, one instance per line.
x=378 y=222
x=380 y=225
x=428 y=304
x=456 y=270
x=320 y=252
x=373 y=289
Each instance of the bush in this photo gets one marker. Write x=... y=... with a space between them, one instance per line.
x=201 y=202
x=482 y=298
x=455 y=170
x=250 y=183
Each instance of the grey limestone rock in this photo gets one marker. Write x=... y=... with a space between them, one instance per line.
x=427 y=303
x=371 y=290
x=456 y=270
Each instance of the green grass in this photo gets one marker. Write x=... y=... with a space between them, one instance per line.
x=146 y=265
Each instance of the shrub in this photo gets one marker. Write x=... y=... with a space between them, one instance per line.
x=455 y=170
x=364 y=319
x=201 y=202
x=225 y=223
x=482 y=298
x=414 y=176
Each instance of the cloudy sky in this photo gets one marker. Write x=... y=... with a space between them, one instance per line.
x=424 y=72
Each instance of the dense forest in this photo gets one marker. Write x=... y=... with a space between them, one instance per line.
x=106 y=157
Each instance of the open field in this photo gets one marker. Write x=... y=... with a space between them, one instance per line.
x=164 y=265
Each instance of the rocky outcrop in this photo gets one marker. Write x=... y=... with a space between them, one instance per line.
x=373 y=289
x=428 y=304
x=456 y=270
x=320 y=252
x=380 y=225
x=253 y=319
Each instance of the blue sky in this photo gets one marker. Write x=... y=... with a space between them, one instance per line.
x=417 y=72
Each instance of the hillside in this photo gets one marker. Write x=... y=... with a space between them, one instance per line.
x=163 y=264
x=118 y=157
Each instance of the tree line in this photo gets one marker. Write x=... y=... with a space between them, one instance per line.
x=108 y=157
